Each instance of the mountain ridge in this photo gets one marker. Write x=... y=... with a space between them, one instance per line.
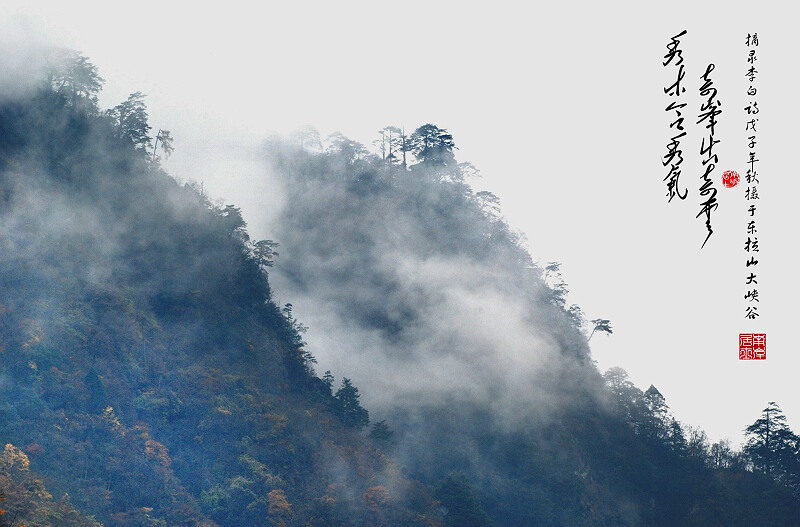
x=148 y=373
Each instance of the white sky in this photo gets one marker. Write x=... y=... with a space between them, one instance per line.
x=560 y=107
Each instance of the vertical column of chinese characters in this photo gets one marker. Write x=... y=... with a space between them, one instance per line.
x=751 y=345
x=709 y=110
x=674 y=156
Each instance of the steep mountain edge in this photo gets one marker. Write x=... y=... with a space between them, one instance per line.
x=142 y=354
x=477 y=360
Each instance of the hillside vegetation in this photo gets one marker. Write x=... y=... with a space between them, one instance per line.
x=148 y=377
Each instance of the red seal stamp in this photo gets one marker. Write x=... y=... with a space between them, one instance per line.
x=730 y=178
x=752 y=346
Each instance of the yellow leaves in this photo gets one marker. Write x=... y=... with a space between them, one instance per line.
x=154 y=522
x=155 y=450
x=331 y=491
x=376 y=498
x=278 y=423
x=257 y=468
x=111 y=417
x=278 y=503
x=260 y=472
x=13 y=459
x=240 y=483
x=28 y=498
x=37 y=490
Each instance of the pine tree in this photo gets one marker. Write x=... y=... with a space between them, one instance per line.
x=771 y=444
x=348 y=406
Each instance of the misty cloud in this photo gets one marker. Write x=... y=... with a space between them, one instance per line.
x=419 y=296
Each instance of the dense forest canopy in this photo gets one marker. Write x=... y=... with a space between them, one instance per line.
x=150 y=378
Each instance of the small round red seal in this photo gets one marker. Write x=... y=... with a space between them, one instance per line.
x=730 y=178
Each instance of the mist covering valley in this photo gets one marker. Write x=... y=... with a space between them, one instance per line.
x=391 y=355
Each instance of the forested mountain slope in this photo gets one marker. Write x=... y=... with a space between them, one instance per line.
x=148 y=377
x=145 y=369
x=414 y=283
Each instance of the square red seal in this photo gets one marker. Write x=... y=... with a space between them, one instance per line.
x=752 y=346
